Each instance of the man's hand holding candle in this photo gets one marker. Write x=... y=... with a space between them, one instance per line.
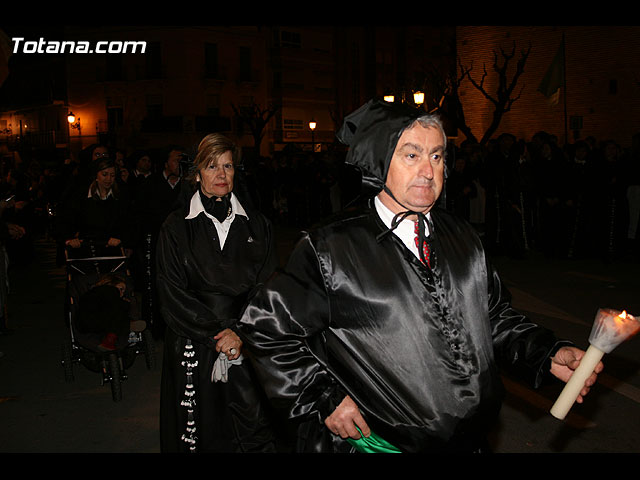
x=565 y=361
x=610 y=328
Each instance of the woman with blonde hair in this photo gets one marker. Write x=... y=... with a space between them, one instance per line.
x=211 y=254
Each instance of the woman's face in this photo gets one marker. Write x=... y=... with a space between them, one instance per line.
x=217 y=178
x=105 y=178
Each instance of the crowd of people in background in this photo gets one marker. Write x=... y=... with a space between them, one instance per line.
x=581 y=200
x=576 y=201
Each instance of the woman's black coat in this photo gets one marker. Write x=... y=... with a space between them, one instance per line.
x=202 y=290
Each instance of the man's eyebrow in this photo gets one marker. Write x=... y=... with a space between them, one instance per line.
x=413 y=146
x=418 y=148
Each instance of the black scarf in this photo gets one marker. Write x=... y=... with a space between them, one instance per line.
x=218 y=207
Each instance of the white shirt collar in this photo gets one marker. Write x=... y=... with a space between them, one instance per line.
x=387 y=215
x=196 y=207
x=97 y=191
x=405 y=231
x=166 y=177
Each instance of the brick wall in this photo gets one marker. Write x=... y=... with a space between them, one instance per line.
x=597 y=60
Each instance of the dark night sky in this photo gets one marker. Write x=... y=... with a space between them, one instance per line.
x=33 y=79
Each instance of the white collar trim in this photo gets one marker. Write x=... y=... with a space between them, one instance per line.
x=196 y=207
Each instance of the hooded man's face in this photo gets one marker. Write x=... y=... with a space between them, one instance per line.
x=416 y=172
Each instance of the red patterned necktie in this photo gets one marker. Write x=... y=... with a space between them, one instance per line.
x=425 y=246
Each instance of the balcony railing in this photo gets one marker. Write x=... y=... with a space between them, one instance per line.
x=36 y=139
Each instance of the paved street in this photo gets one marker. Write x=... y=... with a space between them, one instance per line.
x=41 y=412
x=565 y=296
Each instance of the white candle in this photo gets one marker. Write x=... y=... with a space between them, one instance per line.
x=610 y=328
x=572 y=389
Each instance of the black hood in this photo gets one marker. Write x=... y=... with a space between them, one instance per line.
x=372 y=132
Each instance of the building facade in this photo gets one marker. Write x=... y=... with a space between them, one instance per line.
x=190 y=81
x=602 y=95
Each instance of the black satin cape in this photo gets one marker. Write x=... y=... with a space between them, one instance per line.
x=417 y=350
x=202 y=289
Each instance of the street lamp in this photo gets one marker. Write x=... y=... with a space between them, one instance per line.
x=418 y=98
x=312 y=126
x=71 y=118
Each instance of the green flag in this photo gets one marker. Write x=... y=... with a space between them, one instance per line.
x=553 y=79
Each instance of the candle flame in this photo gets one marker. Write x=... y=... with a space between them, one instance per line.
x=620 y=319
x=612 y=327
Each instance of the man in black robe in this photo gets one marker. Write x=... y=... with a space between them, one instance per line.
x=364 y=332
x=156 y=198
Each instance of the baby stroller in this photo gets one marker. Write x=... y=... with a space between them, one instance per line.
x=85 y=266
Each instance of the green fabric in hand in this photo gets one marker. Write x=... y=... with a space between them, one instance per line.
x=372 y=444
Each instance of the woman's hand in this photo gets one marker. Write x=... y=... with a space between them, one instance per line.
x=74 y=243
x=113 y=242
x=227 y=340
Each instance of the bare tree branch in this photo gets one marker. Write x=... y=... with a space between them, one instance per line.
x=503 y=98
x=446 y=88
x=256 y=118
